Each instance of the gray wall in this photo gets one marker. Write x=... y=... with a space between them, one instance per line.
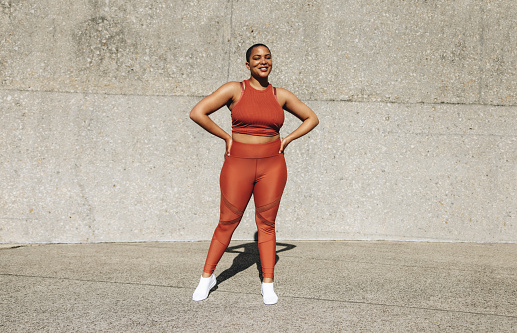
x=417 y=103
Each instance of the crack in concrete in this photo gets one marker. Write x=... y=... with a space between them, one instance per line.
x=229 y=42
x=481 y=53
x=85 y=93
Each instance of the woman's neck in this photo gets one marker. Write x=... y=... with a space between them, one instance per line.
x=259 y=84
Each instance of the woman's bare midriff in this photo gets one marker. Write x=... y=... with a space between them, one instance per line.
x=253 y=139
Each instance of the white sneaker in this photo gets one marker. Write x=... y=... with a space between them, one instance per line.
x=204 y=287
x=268 y=293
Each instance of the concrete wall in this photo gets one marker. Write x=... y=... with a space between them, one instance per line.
x=417 y=102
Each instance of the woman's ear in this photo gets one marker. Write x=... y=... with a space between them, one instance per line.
x=248 y=65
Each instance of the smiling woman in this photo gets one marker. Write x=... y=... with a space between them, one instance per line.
x=254 y=160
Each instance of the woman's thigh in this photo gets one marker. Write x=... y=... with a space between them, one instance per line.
x=271 y=180
x=236 y=182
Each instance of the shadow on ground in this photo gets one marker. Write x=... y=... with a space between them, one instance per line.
x=248 y=255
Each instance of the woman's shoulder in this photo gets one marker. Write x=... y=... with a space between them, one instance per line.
x=284 y=94
x=230 y=85
x=282 y=91
x=229 y=88
x=233 y=84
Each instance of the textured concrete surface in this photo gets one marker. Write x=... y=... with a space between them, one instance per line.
x=130 y=47
x=400 y=51
x=366 y=287
x=417 y=102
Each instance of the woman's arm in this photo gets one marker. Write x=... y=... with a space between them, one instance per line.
x=225 y=95
x=292 y=104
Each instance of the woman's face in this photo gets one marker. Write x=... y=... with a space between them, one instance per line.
x=260 y=63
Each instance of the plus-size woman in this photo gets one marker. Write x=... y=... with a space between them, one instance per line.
x=254 y=161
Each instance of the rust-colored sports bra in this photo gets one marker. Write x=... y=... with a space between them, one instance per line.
x=257 y=112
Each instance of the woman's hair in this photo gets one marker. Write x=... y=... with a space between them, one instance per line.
x=248 y=53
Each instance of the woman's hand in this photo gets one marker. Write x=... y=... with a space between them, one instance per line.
x=229 y=142
x=283 y=144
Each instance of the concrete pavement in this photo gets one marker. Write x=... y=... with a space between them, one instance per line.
x=323 y=286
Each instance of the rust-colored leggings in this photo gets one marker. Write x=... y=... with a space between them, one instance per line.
x=256 y=169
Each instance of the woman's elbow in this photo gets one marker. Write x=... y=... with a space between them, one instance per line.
x=316 y=121
x=194 y=115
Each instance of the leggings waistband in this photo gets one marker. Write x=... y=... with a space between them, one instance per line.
x=249 y=150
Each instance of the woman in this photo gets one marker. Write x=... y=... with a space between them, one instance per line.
x=254 y=161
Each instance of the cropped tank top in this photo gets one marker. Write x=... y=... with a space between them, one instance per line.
x=257 y=112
